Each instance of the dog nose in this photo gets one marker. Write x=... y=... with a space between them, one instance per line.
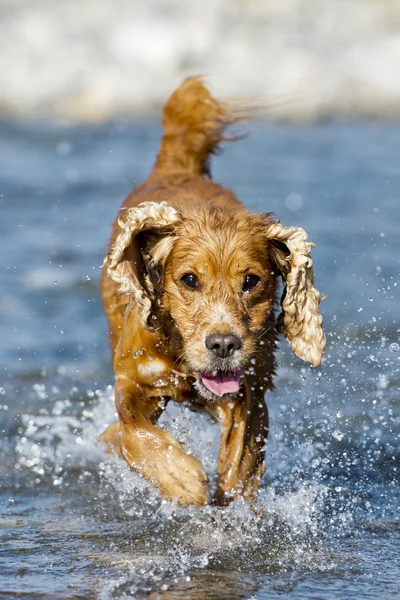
x=223 y=345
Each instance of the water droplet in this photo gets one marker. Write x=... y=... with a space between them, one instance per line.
x=294 y=201
x=63 y=148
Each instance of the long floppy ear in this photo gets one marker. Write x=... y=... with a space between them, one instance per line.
x=130 y=262
x=300 y=320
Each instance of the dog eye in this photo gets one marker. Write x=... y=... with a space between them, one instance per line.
x=190 y=280
x=250 y=282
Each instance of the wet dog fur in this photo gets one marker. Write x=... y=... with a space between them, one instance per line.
x=189 y=288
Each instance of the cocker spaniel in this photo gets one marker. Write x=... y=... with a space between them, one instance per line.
x=189 y=289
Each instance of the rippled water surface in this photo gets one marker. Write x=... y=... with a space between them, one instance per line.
x=76 y=523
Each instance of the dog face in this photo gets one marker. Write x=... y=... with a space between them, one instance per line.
x=215 y=273
x=219 y=285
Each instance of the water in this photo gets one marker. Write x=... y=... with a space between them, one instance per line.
x=76 y=523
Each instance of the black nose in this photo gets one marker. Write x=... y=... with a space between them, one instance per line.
x=223 y=345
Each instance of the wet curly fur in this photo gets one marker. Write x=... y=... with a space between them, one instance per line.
x=189 y=288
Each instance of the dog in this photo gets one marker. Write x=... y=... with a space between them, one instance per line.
x=189 y=289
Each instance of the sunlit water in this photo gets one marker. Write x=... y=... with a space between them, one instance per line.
x=76 y=523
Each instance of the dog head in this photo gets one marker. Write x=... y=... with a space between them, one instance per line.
x=215 y=273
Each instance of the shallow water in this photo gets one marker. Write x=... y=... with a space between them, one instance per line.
x=76 y=523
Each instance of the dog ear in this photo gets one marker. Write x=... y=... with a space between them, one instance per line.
x=300 y=320
x=131 y=262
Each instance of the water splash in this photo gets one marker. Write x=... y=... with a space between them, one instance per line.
x=163 y=545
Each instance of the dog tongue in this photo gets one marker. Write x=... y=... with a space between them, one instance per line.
x=220 y=382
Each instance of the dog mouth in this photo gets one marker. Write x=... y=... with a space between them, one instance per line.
x=221 y=383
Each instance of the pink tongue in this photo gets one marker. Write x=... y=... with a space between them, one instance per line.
x=220 y=383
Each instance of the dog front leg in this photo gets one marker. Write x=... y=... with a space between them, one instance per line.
x=241 y=459
x=154 y=453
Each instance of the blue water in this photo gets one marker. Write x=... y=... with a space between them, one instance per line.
x=76 y=523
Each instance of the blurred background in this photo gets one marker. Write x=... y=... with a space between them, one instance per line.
x=91 y=60
x=81 y=87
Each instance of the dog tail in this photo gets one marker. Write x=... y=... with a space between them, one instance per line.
x=194 y=126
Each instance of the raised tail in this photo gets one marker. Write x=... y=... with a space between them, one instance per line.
x=194 y=124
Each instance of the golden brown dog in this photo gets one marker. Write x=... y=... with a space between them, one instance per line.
x=189 y=288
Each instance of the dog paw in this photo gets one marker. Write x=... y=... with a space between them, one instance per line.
x=160 y=459
x=181 y=477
